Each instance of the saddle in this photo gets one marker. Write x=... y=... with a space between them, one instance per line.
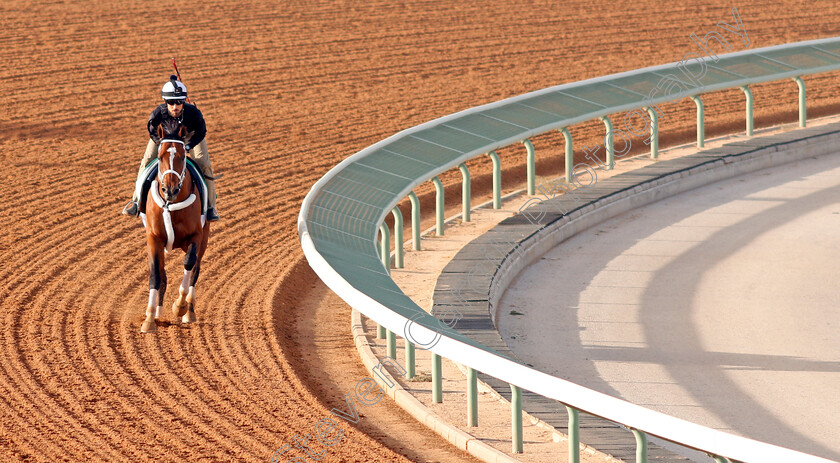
x=150 y=173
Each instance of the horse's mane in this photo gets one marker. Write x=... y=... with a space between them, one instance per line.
x=170 y=129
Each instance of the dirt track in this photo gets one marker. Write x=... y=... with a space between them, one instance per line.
x=288 y=89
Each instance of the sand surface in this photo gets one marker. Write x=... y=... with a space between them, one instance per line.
x=288 y=89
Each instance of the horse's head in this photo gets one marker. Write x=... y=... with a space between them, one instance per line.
x=172 y=155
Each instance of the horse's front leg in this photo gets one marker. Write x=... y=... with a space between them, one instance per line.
x=184 y=307
x=157 y=286
x=189 y=316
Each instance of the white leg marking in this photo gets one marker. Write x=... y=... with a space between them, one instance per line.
x=185 y=283
x=153 y=297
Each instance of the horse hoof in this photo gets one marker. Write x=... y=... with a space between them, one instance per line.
x=189 y=317
x=179 y=307
x=149 y=326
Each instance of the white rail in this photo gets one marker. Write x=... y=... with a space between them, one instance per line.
x=711 y=441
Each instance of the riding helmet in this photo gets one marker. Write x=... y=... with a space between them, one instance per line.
x=173 y=90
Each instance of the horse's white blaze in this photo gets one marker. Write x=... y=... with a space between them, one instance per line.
x=172 y=152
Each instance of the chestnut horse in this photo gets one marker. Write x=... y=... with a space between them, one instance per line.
x=173 y=219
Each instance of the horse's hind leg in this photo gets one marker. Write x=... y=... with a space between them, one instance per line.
x=157 y=288
x=199 y=248
x=186 y=292
x=179 y=307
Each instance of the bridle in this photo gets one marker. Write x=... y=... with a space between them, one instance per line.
x=181 y=175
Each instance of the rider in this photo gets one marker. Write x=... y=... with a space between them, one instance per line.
x=174 y=94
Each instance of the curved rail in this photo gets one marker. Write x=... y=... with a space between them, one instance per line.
x=341 y=215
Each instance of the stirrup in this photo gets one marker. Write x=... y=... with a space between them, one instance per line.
x=131 y=209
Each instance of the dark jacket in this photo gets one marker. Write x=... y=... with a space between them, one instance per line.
x=191 y=118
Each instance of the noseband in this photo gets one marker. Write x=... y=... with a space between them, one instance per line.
x=171 y=150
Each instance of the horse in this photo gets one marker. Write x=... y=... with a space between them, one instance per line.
x=173 y=219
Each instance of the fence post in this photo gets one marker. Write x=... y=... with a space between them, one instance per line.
x=516 y=418
x=569 y=153
x=415 y=220
x=608 y=141
x=438 y=205
x=391 y=344
x=574 y=434
x=531 y=166
x=654 y=133
x=465 y=192
x=398 y=237
x=472 y=397
x=749 y=95
x=437 y=381
x=497 y=180
x=641 y=446
x=701 y=130
x=802 y=109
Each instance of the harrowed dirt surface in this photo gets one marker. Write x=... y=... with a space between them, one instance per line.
x=288 y=89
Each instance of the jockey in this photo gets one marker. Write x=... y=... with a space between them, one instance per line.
x=174 y=94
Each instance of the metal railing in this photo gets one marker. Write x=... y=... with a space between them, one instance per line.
x=345 y=210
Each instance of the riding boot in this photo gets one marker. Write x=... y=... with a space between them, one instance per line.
x=135 y=206
x=212 y=214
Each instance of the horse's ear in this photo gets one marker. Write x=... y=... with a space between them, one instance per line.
x=182 y=132
x=160 y=131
